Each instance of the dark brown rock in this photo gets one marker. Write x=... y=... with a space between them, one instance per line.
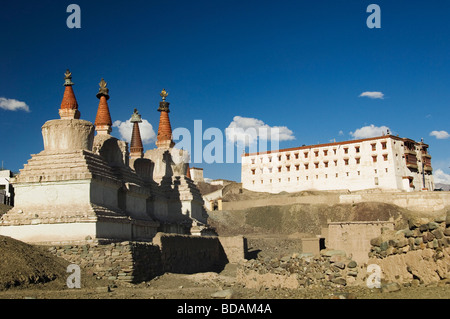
x=438 y=233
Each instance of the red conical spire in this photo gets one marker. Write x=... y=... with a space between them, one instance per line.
x=103 y=121
x=136 y=147
x=164 y=138
x=164 y=129
x=69 y=100
x=69 y=105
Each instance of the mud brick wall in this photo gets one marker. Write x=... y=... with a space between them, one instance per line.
x=354 y=236
x=147 y=261
x=235 y=248
x=190 y=254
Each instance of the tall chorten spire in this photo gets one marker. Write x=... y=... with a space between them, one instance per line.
x=136 y=147
x=103 y=121
x=164 y=138
x=69 y=105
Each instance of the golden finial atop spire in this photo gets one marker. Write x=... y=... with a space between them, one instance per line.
x=68 y=78
x=164 y=94
x=103 y=83
x=136 y=117
x=103 y=90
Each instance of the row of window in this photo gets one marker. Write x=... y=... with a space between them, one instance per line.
x=325 y=164
x=316 y=153
x=307 y=177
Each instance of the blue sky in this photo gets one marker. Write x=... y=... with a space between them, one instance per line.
x=301 y=65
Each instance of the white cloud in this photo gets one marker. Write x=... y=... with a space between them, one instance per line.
x=341 y=133
x=248 y=130
x=372 y=95
x=441 y=177
x=369 y=131
x=126 y=129
x=13 y=105
x=440 y=135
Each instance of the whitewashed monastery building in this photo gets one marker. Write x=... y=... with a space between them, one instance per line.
x=386 y=162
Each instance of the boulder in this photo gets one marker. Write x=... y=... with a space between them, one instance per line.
x=384 y=246
x=339 y=281
x=390 y=287
x=438 y=233
x=223 y=294
x=440 y=219
x=401 y=243
x=427 y=237
x=408 y=232
x=447 y=231
x=432 y=225
x=332 y=252
x=339 y=265
x=415 y=222
x=338 y=258
x=377 y=241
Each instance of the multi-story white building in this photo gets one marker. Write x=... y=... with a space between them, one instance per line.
x=6 y=190
x=386 y=162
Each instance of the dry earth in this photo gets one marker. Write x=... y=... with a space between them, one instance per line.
x=27 y=272
x=211 y=286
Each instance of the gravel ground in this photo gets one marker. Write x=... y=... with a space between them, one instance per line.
x=211 y=286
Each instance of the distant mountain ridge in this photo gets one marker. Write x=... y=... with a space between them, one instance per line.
x=444 y=187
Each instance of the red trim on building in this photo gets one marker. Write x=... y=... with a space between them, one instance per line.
x=325 y=145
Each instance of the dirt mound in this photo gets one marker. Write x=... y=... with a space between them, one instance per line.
x=22 y=264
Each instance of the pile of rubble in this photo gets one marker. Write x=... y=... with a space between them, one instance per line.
x=331 y=268
x=421 y=233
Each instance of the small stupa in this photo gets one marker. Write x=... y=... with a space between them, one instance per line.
x=172 y=170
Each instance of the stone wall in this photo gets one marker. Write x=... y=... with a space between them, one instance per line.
x=142 y=261
x=125 y=261
x=417 y=254
x=416 y=201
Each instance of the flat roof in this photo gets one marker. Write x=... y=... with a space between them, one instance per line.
x=332 y=144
